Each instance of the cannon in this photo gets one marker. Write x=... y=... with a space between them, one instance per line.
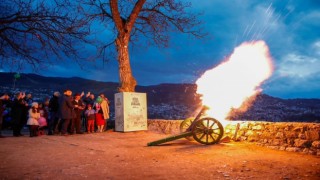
x=205 y=130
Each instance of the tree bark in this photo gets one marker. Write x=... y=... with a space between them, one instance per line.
x=124 y=27
x=127 y=81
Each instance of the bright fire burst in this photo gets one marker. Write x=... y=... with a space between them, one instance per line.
x=236 y=79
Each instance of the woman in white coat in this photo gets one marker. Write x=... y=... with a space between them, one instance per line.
x=34 y=116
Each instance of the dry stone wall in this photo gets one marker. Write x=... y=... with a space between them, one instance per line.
x=296 y=137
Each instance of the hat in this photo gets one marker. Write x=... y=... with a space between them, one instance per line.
x=89 y=105
x=34 y=104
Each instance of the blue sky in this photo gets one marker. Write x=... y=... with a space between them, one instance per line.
x=291 y=29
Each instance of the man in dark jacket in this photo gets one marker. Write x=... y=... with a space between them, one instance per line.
x=76 y=123
x=89 y=99
x=18 y=113
x=66 y=110
x=54 y=116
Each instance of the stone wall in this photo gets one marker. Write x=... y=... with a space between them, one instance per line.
x=296 y=137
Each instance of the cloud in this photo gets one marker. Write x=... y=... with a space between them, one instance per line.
x=296 y=75
x=89 y=70
x=316 y=47
x=290 y=29
x=294 y=87
x=294 y=65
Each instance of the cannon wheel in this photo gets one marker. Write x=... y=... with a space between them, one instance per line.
x=207 y=131
x=185 y=125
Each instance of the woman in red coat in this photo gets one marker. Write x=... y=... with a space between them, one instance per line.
x=99 y=114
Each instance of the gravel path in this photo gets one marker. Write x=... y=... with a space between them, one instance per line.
x=115 y=155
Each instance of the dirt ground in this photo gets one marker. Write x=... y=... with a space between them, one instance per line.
x=116 y=155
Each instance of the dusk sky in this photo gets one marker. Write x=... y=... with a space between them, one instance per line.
x=291 y=29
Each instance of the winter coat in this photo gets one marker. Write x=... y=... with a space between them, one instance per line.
x=104 y=107
x=54 y=104
x=66 y=107
x=90 y=114
x=33 y=117
x=29 y=101
x=77 y=110
x=88 y=100
x=1 y=108
x=19 y=111
x=42 y=122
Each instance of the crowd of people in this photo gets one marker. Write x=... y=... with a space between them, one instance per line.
x=64 y=114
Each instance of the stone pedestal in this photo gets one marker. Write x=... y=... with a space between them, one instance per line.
x=130 y=111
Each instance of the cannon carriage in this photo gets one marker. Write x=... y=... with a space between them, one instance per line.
x=205 y=130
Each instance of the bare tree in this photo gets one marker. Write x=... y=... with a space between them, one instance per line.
x=36 y=30
x=33 y=31
x=152 y=20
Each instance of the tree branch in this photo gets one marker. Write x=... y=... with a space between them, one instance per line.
x=134 y=14
x=116 y=16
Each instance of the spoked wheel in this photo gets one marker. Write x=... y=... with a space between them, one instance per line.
x=185 y=125
x=207 y=131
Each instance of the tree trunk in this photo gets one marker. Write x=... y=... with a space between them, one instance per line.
x=127 y=81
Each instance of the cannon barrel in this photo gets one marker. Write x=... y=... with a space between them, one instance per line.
x=170 y=138
x=201 y=112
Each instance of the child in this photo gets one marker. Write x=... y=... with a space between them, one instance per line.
x=33 y=123
x=42 y=120
x=90 y=115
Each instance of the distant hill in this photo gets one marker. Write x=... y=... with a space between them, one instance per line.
x=269 y=108
x=167 y=101
x=163 y=93
x=33 y=81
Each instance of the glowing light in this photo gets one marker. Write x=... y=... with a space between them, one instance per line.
x=236 y=79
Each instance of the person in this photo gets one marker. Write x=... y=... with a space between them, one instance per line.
x=100 y=122
x=90 y=116
x=105 y=110
x=66 y=110
x=3 y=100
x=79 y=107
x=89 y=99
x=42 y=119
x=29 y=99
x=53 y=121
x=46 y=108
x=6 y=114
x=19 y=107
x=32 y=122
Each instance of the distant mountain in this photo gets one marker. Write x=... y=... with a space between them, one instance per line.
x=166 y=101
x=269 y=108
x=33 y=81
x=163 y=93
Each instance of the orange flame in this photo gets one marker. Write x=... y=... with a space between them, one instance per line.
x=235 y=80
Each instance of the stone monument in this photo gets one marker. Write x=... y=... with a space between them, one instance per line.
x=130 y=111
